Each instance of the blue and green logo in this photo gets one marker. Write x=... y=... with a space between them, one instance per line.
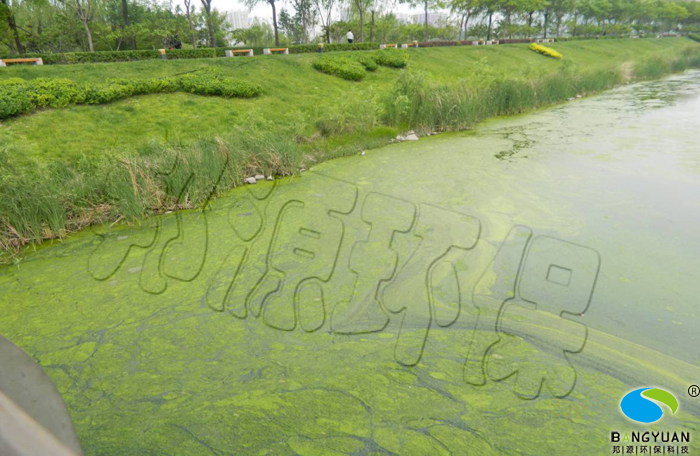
x=641 y=404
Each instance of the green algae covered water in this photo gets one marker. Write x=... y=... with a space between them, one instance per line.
x=490 y=292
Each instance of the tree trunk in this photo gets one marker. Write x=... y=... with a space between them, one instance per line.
x=371 y=29
x=88 y=34
x=427 y=31
x=362 y=25
x=210 y=26
x=189 y=21
x=546 y=16
x=274 y=22
x=466 y=25
x=461 y=27
x=488 y=32
x=127 y=23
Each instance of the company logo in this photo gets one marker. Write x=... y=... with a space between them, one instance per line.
x=641 y=404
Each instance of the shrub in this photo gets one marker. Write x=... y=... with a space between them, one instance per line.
x=694 y=37
x=18 y=96
x=341 y=66
x=549 y=52
x=392 y=58
x=367 y=60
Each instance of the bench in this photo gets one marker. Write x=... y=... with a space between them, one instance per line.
x=270 y=51
x=384 y=46
x=235 y=52
x=37 y=61
x=408 y=45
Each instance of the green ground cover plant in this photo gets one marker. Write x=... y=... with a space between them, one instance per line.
x=19 y=96
x=351 y=67
x=64 y=169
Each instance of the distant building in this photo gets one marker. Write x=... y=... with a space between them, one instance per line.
x=403 y=18
x=346 y=14
x=435 y=19
x=238 y=19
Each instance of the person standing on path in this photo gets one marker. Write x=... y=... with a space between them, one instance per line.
x=350 y=36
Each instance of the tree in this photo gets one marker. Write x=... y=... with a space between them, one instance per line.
x=189 y=12
x=127 y=23
x=210 y=25
x=252 y=3
x=325 y=9
x=362 y=6
x=12 y=24
x=466 y=9
x=490 y=7
x=85 y=10
x=427 y=5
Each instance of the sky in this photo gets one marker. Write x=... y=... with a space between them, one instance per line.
x=264 y=11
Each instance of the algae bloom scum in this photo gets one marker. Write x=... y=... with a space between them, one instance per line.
x=495 y=292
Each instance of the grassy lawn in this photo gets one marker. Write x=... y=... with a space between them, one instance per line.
x=78 y=158
x=291 y=87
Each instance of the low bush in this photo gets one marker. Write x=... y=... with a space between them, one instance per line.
x=549 y=52
x=392 y=58
x=18 y=96
x=341 y=66
x=352 y=67
x=367 y=60
x=694 y=37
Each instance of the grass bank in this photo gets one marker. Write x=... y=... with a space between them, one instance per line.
x=64 y=169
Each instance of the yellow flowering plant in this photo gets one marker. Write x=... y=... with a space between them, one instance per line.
x=545 y=51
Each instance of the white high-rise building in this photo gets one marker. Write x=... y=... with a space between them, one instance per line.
x=402 y=18
x=238 y=19
x=435 y=19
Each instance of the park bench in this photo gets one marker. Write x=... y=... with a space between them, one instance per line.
x=545 y=40
x=35 y=61
x=235 y=52
x=384 y=46
x=269 y=51
x=408 y=45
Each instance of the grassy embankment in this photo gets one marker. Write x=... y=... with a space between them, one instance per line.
x=63 y=169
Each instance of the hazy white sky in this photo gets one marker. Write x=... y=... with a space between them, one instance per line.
x=263 y=9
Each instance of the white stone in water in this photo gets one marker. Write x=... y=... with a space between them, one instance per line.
x=411 y=138
x=249 y=180
x=259 y=177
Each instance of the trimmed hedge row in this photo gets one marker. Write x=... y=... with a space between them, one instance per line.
x=18 y=96
x=202 y=53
